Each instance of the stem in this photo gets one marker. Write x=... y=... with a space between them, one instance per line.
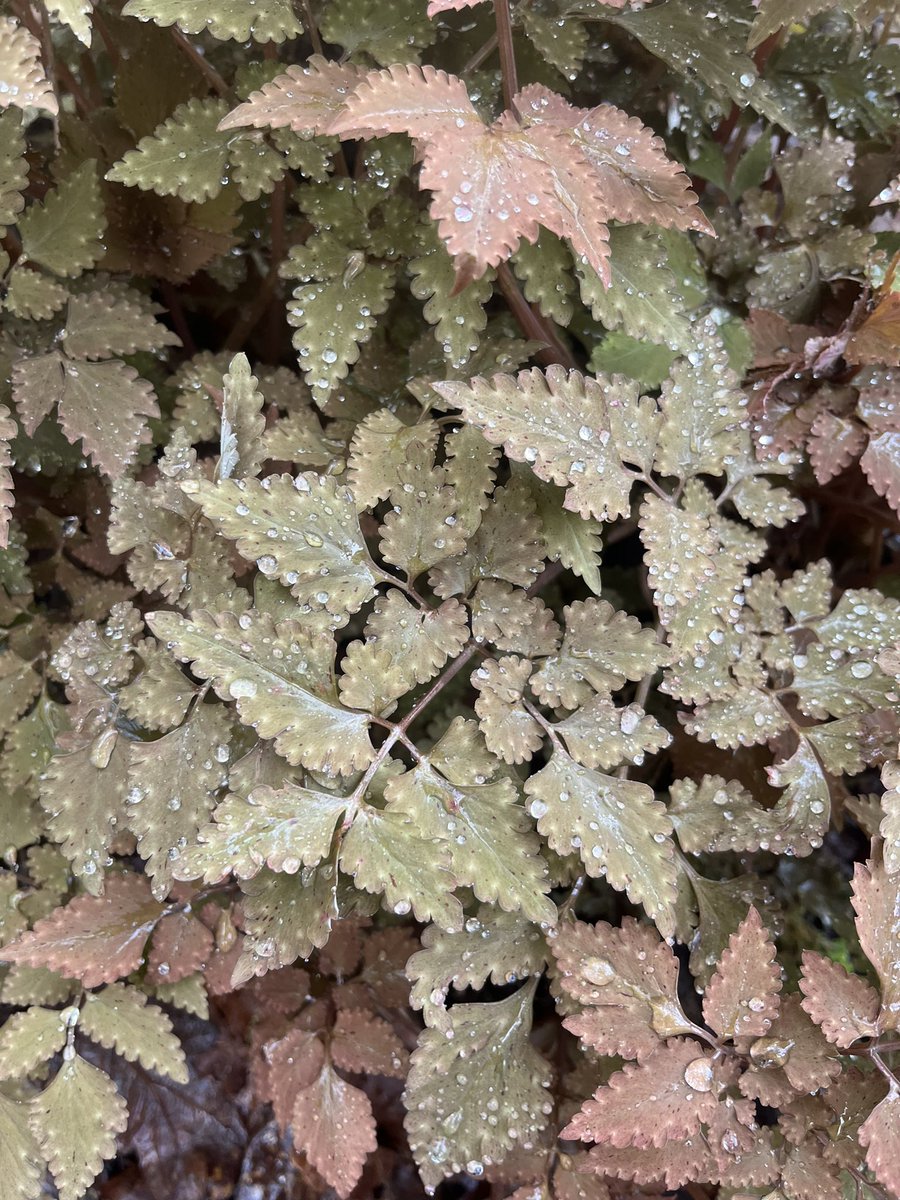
x=884 y=1069
x=480 y=55
x=507 y=51
x=312 y=29
x=533 y=324
x=538 y=716
x=202 y=63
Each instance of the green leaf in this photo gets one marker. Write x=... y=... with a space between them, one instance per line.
x=33 y=295
x=75 y=1121
x=21 y=1167
x=243 y=422
x=282 y=679
x=458 y=317
x=493 y=945
x=642 y=297
x=76 y=14
x=389 y=34
x=119 y=1018
x=488 y=1063
x=303 y=531
x=13 y=166
x=116 y=321
x=64 y=233
x=703 y=410
x=172 y=788
x=619 y=830
x=29 y=1039
x=386 y=854
x=570 y=429
x=21 y=69
x=286 y=917
x=491 y=844
x=419 y=530
x=569 y=538
x=185 y=156
x=621 y=354
x=263 y=20
x=283 y=829
x=545 y=268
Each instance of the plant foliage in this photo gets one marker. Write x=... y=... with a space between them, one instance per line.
x=450 y=599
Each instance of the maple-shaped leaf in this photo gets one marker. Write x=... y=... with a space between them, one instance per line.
x=380 y=446
x=161 y=695
x=332 y=1121
x=874 y=901
x=263 y=20
x=293 y=528
x=419 y=528
x=284 y=830
x=627 y=980
x=741 y=999
x=75 y=1121
x=493 y=945
x=367 y=1045
x=119 y=1018
x=487 y=1064
x=418 y=640
x=617 y=827
x=844 y=1006
x=89 y=398
x=498 y=854
x=880 y=1135
x=96 y=939
x=64 y=232
x=30 y=1038
x=570 y=429
x=21 y=69
x=21 y=1162
x=385 y=853
x=667 y=1096
x=282 y=679
x=797 y=1048
x=172 y=786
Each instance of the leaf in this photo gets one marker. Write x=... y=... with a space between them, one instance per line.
x=75 y=1121
x=388 y=35
x=22 y=70
x=332 y=1122
x=13 y=164
x=703 y=411
x=283 y=683
x=879 y=1134
x=844 y=1006
x=101 y=324
x=667 y=1096
x=601 y=735
x=64 y=233
x=641 y=296
x=488 y=1063
x=287 y=917
x=419 y=529
x=381 y=445
x=544 y=269
x=881 y=465
x=303 y=99
x=495 y=945
x=741 y=999
x=602 y=648
x=512 y=619
x=264 y=21
x=570 y=429
x=96 y=939
x=616 y=826
x=284 y=830
x=119 y=1018
x=679 y=548
x=626 y=979
x=90 y=403
x=20 y=1160
x=458 y=317
x=418 y=640
x=315 y=526
x=82 y=793
x=185 y=156
x=29 y=1039
x=367 y=1045
x=76 y=14
x=488 y=837
x=568 y=538
x=510 y=731
x=874 y=901
x=181 y=946
x=386 y=854
x=172 y=788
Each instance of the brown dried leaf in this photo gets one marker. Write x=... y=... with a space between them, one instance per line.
x=333 y=1123
x=367 y=1045
x=742 y=997
x=844 y=1006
